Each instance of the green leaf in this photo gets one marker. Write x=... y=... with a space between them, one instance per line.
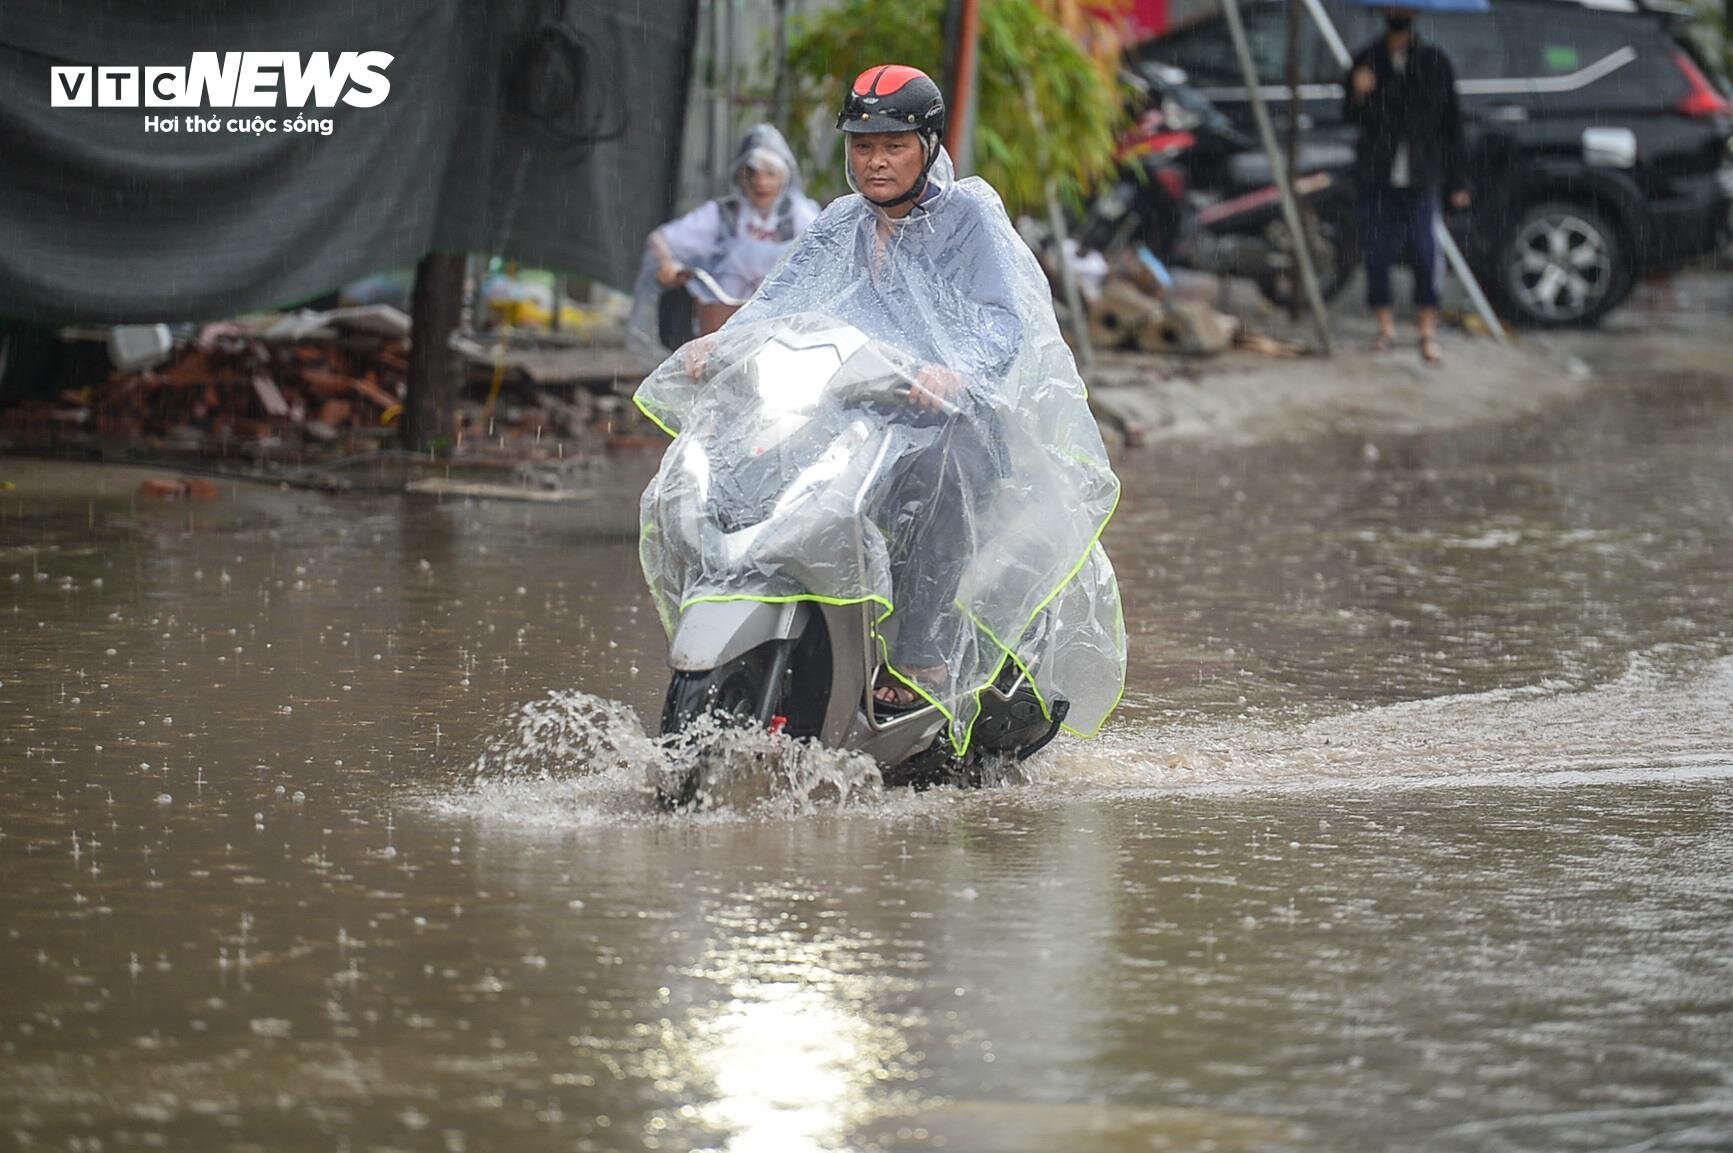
x=1022 y=51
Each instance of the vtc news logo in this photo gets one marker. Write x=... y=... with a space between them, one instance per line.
x=229 y=80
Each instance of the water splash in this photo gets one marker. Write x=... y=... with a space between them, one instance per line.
x=724 y=766
x=566 y=734
x=573 y=758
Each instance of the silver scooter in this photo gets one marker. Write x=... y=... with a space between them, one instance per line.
x=801 y=451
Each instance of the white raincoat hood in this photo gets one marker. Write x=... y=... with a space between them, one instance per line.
x=736 y=256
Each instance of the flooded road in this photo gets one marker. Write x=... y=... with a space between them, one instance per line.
x=1415 y=830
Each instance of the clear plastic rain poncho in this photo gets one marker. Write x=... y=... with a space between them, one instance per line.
x=800 y=469
x=727 y=237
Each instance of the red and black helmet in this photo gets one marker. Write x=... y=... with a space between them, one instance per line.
x=894 y=98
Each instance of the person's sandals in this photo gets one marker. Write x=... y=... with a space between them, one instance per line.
x=1431 y=352
x=1382 y=343
x=892 y=695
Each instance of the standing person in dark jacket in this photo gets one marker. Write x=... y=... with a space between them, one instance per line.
x=1402 y=97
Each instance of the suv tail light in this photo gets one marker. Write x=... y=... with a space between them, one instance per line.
x=1702 y=99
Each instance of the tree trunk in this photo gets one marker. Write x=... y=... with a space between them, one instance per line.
x=434 y=375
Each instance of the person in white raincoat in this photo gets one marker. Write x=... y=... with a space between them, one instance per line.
x=991 y=514
x=737 y=238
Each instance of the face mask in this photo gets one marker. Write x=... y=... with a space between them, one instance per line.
x=1399 y=23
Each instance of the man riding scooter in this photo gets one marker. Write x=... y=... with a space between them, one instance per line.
x=893 y=120
x=982 y=546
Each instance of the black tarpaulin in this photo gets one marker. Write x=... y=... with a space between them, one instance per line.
x=541 y=130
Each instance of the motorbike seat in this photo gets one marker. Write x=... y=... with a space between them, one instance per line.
x=1252 y=169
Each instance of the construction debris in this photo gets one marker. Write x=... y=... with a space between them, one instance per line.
x=375 y=319
x=1194 y=328
x=229 y=388
x=1126 y=316
x=1262 y=344
x=280 y=386
x=1122 y=316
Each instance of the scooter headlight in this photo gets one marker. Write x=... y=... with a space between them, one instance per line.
x=695 y=464
x=691 y=497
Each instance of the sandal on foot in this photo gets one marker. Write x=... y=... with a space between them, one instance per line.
x=1431 y=352
x=895 y=698
x=1382 y=343
x=893 y=694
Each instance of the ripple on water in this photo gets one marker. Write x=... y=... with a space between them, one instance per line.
x=1652 y=721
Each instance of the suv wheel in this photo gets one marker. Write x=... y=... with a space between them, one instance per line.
x=1560 y=265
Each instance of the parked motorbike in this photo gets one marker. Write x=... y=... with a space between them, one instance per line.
x=1199 y=193
x=768 y=492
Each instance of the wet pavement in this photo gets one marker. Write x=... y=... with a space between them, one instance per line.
x=325 y=829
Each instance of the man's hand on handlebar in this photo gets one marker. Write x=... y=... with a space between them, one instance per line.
x=669 y=274
x=936 y=388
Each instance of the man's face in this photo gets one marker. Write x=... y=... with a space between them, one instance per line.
x=763 y=186
x=885 y=164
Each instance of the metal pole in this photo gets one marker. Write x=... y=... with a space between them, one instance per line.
x=717 y=115
x=1459 y=265
x=1068 y=280
x=708 y=37
x=1290 y=209
x=730 y=134
x=779 y=93
x=960 y=136
x=1452 y=254
x=1084 y=347
x=1294 y=126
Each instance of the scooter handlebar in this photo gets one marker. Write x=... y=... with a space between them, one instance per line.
x=870 y=377
x=708 y=283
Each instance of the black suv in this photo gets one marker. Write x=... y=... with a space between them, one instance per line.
x=1600 y=142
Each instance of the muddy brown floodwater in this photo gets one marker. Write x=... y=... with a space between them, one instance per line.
x=324 y=829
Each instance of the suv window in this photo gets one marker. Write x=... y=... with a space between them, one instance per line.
x=1472 y=41
x=1206 y=50
x=1563 y=43
x=1547 y=46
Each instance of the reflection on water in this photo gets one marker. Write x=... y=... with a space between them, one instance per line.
x=785 y=1061
x=326 y=828
x=783 y=1069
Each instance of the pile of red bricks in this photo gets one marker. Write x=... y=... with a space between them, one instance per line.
x=233 y=389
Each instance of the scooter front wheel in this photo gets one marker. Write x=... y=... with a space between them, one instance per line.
x=734 y=690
